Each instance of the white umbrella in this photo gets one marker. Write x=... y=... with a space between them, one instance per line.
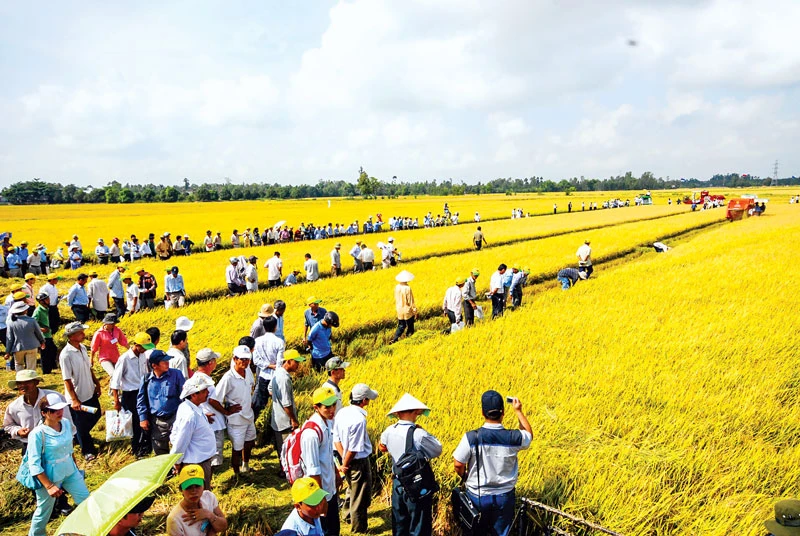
x=279 y=224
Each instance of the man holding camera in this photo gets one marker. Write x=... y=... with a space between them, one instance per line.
x=487 y=460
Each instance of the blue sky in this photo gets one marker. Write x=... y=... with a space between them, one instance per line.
x=295 y=92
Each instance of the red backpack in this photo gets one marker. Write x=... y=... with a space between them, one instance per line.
x=291 y=460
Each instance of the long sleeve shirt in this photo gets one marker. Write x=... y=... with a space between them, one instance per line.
x=23 y=334
x=268 y=351
x=569 y=273
x=192 y=435
x=336 y=258
x=115 y=285
x=173 y=284
x=19 y=414
x=469 y=291
x=232 y=276
x=129 y=371
x=356 y=251
x=57 y=462
x=318 y=455
x=404 y=302
x=160 y=396
x=452 y=299
x=516 y=281
x=52 y=293
x=77 y=296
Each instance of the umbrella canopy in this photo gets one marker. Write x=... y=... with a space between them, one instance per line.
x=112 y=501
x=279 y=224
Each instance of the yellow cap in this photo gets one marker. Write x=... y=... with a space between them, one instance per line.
x=312 y=299
x=137 y=269
x=476 y=272
x=324 y=395
x=191 y=475
x=30 y=276
x=306 y=490
x=293 y=355
x=461 y=280
x=21 y=295
x=17 y=286
x=144 y=340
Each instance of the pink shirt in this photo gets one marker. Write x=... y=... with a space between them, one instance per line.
x=105 y=343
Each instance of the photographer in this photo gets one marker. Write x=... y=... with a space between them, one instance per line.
x=487 y=460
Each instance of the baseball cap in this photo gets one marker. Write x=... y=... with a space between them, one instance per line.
x=293 y=355
x=20 y=295
x=195 y=384
x=144 y=340
x=242 y=352
x=306 y=490
x=29 y=275
x=325 y=396
x=17 y=286
x=476 y=272
x=55 y=402
x=233 y=260
x=336 y=363
x=461 y=280
x=191 y=475
x=205 y=355
x=491 y=401
x=361 y=391
x=312 y=299
x=157 y=356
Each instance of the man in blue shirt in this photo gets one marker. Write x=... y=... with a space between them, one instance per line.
x=313 y=314
x=320 y=339
x=78 y=300
x=23 y=256
x=117 y=291
x=13 y=264
x=174 y=289
x=158 y=400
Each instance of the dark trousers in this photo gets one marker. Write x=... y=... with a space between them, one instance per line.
x=115 y=259
x=140 y=442
x=102 y=260
x=84 y=422
x=81 y=312
x=319 y=362
x=588 y=269
x=260 y=397
x=3 y=339
x=236 y=289
x=498 y=302
x=478 y=245
x=404 y=325
x=469 y=314
x=160 y=429
x=516 y=296
x=497 y=513
x=410 y=518
x=272 y=283
x=49 y=356
x=331 y=526
x=368 y=266
x=119 y=305
x=359 y=480
x=54 y=317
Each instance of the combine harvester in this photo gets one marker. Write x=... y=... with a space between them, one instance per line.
x=745 y=206
x=700 y=197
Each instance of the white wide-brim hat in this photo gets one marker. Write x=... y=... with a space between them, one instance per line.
x=409 y=403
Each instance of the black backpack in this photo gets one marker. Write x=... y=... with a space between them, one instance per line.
x=413 y=470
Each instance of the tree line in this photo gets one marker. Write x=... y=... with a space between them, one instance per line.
x=38 y=191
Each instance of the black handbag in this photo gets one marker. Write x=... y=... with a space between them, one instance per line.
x=467 y=515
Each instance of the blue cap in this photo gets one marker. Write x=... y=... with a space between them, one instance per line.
x=491 y=401
x=157 y=356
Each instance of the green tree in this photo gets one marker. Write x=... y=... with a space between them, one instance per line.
x=170 y=194
x=127 y=196
x=368 y=186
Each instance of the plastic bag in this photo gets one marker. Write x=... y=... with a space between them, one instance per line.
x=479 y=312
x=456 y=327
x=119 y=425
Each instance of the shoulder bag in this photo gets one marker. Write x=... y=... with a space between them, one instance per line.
x=467 y=515
x=413 y=471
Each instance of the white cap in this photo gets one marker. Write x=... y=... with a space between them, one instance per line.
x=242 y=352
x=205 y=355
x=195 y=384
x=183 y=323
x=361 y=391
x=408 y=403
x=55 y=402
x=391 y=239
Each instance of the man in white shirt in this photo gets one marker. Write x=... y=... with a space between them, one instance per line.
x=52 y=293
x=316 y=451
x=251 y=274
x=388 y=251
x=356 y=254
x=234 y=278
x=451 y=307
x=274 y=268
x=497 y=291
x=128 y=373
x=101 y=252
x=336 y=373
x=177 y=358
x=81 y=386
x=267 y=356
x=192 y=435
x=584 y=255
x=311 y=267
x=132 y=294
x=367 y=257
x=97 y=290
x=351 y=441
x=495 y=448
x=206 y=363
x=235 y=390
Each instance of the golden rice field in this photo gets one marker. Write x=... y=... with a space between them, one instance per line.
x=661 y=392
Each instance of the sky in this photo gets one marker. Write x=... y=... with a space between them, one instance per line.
x=295 y=92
